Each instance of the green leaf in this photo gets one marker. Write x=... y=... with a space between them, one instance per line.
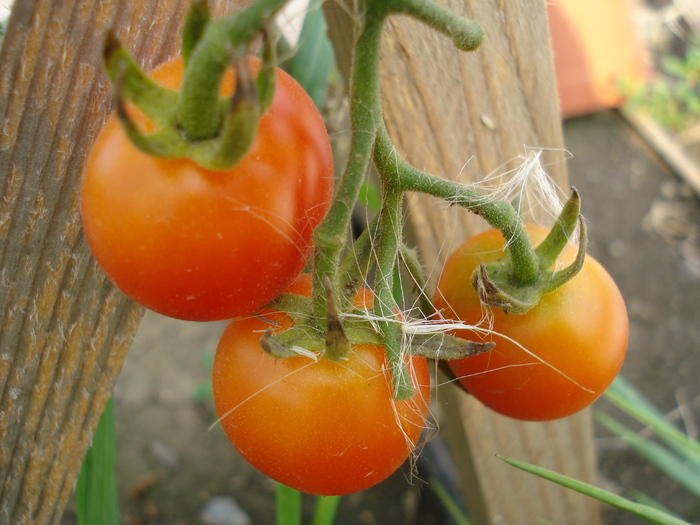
x=313 y=60
x=96 y=497
x=643 y=511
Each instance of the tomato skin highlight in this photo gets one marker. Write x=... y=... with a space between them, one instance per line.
x=203 y=245
x=581 y=329
x=321 y=427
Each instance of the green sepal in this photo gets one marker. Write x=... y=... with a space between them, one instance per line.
x=494 y=288
x=283 y=345
x=559 y=236
x=559 y=278
x=133 y=84
x=445 y=346
x=266 y=81
x=164 y=143
x=295 y=306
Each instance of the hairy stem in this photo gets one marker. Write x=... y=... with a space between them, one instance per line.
x=385 y=305
x=366 y=113
x=357 y=262
x=500 y=215
x=466 y=35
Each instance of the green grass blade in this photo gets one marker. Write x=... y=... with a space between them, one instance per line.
x=644 y=499
x=621 y=388
x=664 y=459
x=453 y=509
x=96 y=497
x=630 y=400
x=288 y=505
x=326 y=507
x=643 y=511
x=313 y=60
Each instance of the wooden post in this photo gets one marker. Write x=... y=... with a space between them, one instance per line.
x=64 y=329
x=463 y=116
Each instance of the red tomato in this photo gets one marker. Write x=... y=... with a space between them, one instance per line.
x=318 y=426
x=576 y=337
x=206 y=245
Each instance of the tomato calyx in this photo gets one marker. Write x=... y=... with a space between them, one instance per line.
x=497 y=285
x=197 y=123
x=343 y=331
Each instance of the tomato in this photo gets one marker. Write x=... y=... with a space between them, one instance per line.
x=576 y=337
x=206 y=245
x=318 y=426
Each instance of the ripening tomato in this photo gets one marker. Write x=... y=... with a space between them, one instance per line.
x=206 y=245
x=550 y=362
x=318 y=426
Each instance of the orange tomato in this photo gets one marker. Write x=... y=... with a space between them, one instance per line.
x=550 y=362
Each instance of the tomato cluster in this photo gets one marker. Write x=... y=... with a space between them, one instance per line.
x=550 y=362
x=319 y=426
x=205 y=245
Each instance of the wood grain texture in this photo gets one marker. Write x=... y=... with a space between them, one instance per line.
x=463 y=116
x=64 y=329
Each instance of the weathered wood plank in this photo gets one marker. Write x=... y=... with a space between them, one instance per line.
x=65 y=329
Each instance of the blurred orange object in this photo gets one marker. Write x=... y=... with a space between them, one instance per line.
x=595 y=45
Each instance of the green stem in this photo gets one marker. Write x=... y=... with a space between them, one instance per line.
x=410 y=260
x=196 y=22
x=357 y=262
x=500 y=215
x=365 y=102
x=385 y=305
x=466 y=35
x=200 y=113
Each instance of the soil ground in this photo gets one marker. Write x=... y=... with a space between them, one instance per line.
x=643 y=225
